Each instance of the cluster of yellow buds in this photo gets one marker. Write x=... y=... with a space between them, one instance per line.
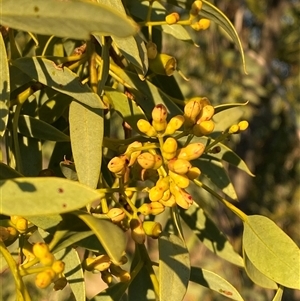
x=198 y=113
x=53 y=268
x=20 y=223
x=203 y=23
x=240 y=127
x=172 y=18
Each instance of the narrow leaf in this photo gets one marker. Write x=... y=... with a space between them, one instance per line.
x=208 y=233
x=112 y=293
x=271 y=251
x=45 y=222
x=215 y=282
x=73 y=19
x=227 y=106
x=35 y=128
x=278 y=295
x=86 y=132
x=110 y=236
x=174 y=268
x=6 y=172
x=256 y=276
x=62 y=80
x=211 y=12
x=43 y=196
x=4 y=87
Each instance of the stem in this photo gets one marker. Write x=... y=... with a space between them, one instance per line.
x=177 y=223
x=230 y=206
x=19 y=167
x=22 y=293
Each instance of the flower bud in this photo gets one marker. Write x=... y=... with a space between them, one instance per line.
x=192 y=110
x=146 y=160
x=22 y=225
x=243 y=125
x=101 y=263
x=172 y=18
x=117 y=165
x=234 y=129
x=159 y=126
x=174 y=124
x=153 y=208
x=40 y=249
x=170 y=145
x=204 y=24
x=13 y=233
x=191 y=151
x=4 y=234
x=58 y=266
x=166 y=195
x=116 y=214
x=152 y=229
x=182 y=198
x=203 y=128
x=123 y=275
x=179 y=166
x=157 y=161
x=181 y=181
x=43 y=279
x=14 y=218
x=170 y=202
x=196 y=7
x=151 y=50
x=163 y=64
x=47 y=259
x=206 y=113
x=137 y=231
x=163 y=183
x=155 y=194
x=107 y=277
x=146 y=128
x=193 y=173
x=133 y=155
x=169 y=156
x=159 y=113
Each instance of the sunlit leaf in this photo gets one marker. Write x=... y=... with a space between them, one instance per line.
x=279 y=294
x=174 y=268
x=209 y=234
x=4 y=87
x=45 y=222
x=215 y=282
x=224 y=107
x=62 y=80
x=271 y=251
x=43 y=196
x=73 y=19
x=256 y=276
x=86 y=132
x=112 y=293
x=110 y=236
x=35 y=128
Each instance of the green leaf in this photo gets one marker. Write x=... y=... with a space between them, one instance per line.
x=73 y=272
x=271 y=251
x=4 y=87
x=110 y=236
x=209 y=234
x=68 y=170
x=45 y=222
x=112 y=293
x=62 y=80
x=256 y=276
x=214 y=170
x=174 y=268
x=211 y=12
x=35 y=128
x=215 y=282
x=6 y=172
x=58 y=18
x=125 y=106
x=86 y=132
x=224 y=107
x=223 y=120
x=43 y=196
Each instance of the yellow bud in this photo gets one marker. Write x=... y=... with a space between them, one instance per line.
x=204 y=24
x=106 y=277
x=117 y=165
x=47 y=259
x=157 y=161
x=193 y=173
x=40 y=249
x=170 y=202
x=116 y=214
x=152 y=229
x=13 y=233
x=172 y=18
x=192 y=110
x=123 y=275
x=163 y=64
x=146 y=160
x=153 y=208
x=159 y=126
x=43 y=279
x=159 y=113
x=182 y=198
x=146 y=128
x=22 y=225
x=243 y=125
x=166 y=195
x=174 y=124
x=179 y=166
x=205 y=102
x=203 y=128
x=137 y=231
x=169 y=156
x=234 y=129
x=133 y=155
x=101 y=263
x=58 y=266
x=170 y=145
x=196 y=7
x=155 y=194
x=15 y=218
x=151 y=50
x=181 y=181
x=163 y=183
x=206 y=113
x=191 y=151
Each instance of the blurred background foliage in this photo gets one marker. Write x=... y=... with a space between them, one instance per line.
x=270 y=34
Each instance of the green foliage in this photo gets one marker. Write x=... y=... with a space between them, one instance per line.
x=74 y=89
